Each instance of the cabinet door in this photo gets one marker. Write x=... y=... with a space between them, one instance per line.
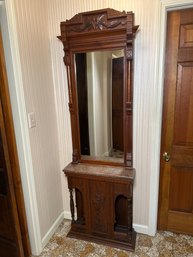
x=100 y=208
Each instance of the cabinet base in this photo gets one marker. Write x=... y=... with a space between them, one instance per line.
x=127 y=244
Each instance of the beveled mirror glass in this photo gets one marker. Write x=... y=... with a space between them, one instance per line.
x=99 y=83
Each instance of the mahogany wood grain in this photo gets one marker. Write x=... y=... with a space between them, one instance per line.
x=101 y=172
x=176 y=177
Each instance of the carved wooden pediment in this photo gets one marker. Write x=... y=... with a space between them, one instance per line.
x=104 y=19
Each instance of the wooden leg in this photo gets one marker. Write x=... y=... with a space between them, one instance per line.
x=72 y=204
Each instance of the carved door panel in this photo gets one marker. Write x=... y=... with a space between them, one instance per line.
x=100 y=208
x=176 y=178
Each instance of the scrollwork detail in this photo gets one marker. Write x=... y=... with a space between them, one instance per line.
x=97 y=23
x=98 y=202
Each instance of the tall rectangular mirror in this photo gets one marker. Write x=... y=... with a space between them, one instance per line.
x=99 y=84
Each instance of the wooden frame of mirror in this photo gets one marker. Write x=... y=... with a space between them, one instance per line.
x=105 y=29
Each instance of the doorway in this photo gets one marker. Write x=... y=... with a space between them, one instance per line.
x=14 y=239
x=176 y=165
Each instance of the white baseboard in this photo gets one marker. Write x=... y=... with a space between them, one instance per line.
x=141 y=229
x=52 y=230
x=67 y=215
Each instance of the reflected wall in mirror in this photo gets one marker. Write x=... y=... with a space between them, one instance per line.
x=99 y=82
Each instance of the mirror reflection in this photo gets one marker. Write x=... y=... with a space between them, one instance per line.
x=99 y=80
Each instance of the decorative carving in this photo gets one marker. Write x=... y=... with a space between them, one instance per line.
x=129 y=214
x=96 y=22
x=98 y=203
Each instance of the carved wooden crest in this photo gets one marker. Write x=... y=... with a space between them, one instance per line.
x=100 y=20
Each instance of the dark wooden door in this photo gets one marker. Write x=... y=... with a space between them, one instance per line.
x=117 y=103
x=176 y=177
x=14 y=241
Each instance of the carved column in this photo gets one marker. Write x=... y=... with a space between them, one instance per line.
x=129 y=214
x=130 y=209
x=72 y=205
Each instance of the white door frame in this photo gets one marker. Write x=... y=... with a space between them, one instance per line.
x=14 y=73
x=166 y=5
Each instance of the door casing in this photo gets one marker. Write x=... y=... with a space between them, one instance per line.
x=166 y=5
x=14 y=73
x=173 y=211
x=15 y=197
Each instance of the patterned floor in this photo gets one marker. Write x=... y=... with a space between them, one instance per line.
x=164 y=244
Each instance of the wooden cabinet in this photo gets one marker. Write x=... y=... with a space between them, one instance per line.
x=101 y=204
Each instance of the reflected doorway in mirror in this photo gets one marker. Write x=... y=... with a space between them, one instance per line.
x=99 y=82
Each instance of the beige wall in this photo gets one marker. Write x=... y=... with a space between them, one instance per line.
x=34 y=49
x=99 y=81
x=45 y=88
